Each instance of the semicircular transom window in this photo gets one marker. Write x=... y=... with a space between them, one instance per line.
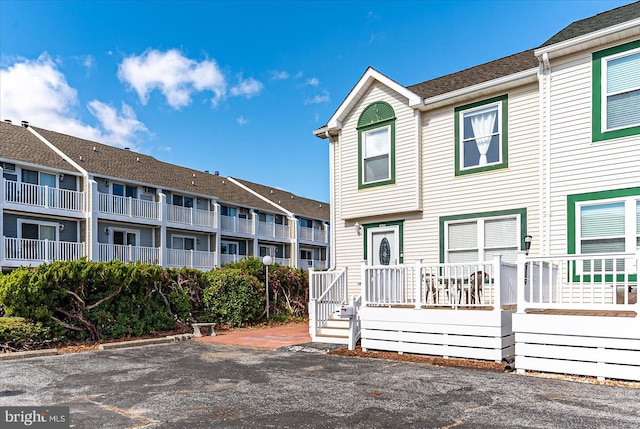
x=376 y=145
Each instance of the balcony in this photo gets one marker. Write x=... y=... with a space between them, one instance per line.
x=190 y=258
x=273 y=230
x=26 y=251
x=235 y=224
x=129 y=207
x=313 y=234
x=227 y=259
x=43 y=196
x=316 y=264
x=190 y=216
x=118 y=252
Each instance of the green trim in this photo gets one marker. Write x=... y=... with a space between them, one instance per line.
x=596 y=101
x=377 y=115
x=504 y=136
x=399 y=223
x=571 y=224
x=523 y=223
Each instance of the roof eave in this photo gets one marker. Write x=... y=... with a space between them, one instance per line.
x=581 y=43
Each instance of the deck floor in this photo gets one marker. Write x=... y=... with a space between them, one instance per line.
x=563 y=312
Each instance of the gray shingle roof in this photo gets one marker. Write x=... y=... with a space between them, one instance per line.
x=18 y=144
x=109 y=161
x=291 y=202
x=597 y=22
x=475 y=75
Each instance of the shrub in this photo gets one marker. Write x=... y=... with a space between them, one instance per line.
x=233 y=298
x=18 y=333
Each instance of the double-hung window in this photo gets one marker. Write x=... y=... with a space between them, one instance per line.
x=616 y=92
x=481 y=236
x=603 y=223
x=376 y=146
x=481 y=136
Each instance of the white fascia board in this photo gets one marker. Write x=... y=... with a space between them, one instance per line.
x=586 y=41
x=59 y=152
x=368 y=78
x=265 y=199
x=475 y=91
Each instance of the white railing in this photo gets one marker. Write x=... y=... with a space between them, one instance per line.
x=316 y=264
x=480 y=284
x=23 y=249
x=235 y=224
x=130 y=207
x=334 y=294
x=112 y=252
x=268 y=229
x=190 y=258
x=190 y=216
x=313 y=234
x=43 y=196
x=227 y=259
x=282 y=261
x=606 y=281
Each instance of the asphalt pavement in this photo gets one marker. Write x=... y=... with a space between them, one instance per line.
x=195 y=384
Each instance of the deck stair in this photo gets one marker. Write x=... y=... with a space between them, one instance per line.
x=334 y=331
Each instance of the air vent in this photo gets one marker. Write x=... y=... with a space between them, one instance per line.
x=6 y=166
x=149 y=190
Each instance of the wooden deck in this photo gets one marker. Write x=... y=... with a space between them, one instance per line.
x=564 y=312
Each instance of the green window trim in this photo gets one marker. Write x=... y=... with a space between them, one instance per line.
x=597 y=133
x=522 y=212
x=572 y=233
x=504 y=136
x=398 y=223
x=377 y=115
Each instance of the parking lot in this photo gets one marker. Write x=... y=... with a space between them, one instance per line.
x=193 y=384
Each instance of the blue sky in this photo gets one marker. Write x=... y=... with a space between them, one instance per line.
x=239 y=86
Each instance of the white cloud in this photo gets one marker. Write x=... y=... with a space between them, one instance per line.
x=324 y=98
x=38 y=92
x=247 y=87
x=174 y=75
x=279 y=75
x=313 y=81
x=242 y=120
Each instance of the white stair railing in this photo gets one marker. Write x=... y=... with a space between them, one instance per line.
x=324 y=305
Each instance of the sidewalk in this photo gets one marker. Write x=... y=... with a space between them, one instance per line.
x=267 y=338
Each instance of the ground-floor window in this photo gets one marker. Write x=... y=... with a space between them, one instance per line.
x=481 y=236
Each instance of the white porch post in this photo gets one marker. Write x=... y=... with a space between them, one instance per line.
x=216 y=237
x=256 y=248
x=363 y=283
x=497 y=282
x=312 y=303
x=164 y=209
x=521 y=260
x=3 y=185
x=418 y=285
x=93 y=208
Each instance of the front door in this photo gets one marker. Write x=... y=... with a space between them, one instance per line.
x=384 y=245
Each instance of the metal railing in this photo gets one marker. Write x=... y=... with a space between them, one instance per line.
x=606 y=281
x=124 y=253
x=24 y=249
x=129 y=207
x=43 y=196
x=190 y=216
x=236 y=224
x=190 y=258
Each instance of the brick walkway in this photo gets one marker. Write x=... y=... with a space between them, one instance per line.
x=267 y=338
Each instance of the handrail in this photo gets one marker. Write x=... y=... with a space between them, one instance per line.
x=329 y=300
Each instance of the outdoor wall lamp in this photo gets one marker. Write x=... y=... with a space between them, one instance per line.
x=527 y=243
x=62 y=177
x=106 y=231
x=61 y=226
x=358 y=228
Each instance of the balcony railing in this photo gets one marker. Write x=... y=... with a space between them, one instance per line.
x=43 y=196
x=113 y=252
x=23 y=249
x=191 y=259
x=268 y=229
x=235 y=224
x=313 y=234
x=130 y=207
x=190 y=216
x=316 y=264
x=227 y=259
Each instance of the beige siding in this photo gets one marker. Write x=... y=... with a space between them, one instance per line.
x=396 y=198
x=577 y=164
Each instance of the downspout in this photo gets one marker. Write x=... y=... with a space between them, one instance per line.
x=547 y=73
x=541 y=154
x=332 y=216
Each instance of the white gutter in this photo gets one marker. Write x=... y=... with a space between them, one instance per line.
x=547 y=72
x=541 y=155
x=332 y=212
x=578 y=43
x=508 y=81
x=59 y=152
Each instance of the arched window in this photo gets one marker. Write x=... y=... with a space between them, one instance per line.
x=376 y=145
